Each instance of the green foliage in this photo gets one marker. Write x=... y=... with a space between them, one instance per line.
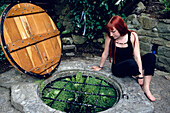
x=90 y=17
x=2 y=8
x=166 y=4
x=79 y=97
x=2 y=55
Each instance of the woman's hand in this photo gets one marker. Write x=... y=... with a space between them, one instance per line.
x=96 y=68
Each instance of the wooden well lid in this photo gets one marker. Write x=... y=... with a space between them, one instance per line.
x=30 y=39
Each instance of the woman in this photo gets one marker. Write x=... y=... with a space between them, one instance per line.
x=123 y=45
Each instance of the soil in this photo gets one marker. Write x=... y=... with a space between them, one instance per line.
x=5 y=66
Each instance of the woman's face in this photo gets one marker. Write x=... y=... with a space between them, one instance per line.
x=114 y=33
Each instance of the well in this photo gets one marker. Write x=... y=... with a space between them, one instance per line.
x=81 y=91
x=26 y=97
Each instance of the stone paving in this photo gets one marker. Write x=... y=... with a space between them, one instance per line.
x=160 y=87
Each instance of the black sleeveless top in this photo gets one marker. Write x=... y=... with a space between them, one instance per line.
x=124 y=53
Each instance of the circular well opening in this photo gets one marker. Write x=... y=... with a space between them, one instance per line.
x=80 y=91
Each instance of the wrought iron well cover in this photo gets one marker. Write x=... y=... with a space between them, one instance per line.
x=80 y=93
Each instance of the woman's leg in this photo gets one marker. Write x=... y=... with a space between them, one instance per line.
x=125 y=68
x=148 y=62
x=146 y=89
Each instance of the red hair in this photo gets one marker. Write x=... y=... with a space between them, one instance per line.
x=119 y=24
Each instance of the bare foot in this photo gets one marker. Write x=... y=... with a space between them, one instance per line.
x=148 y=94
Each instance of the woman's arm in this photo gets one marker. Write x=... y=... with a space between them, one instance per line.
x=104 y=54
x=137 y=56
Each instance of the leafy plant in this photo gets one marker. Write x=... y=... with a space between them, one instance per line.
x=76 y=84
x=2 y=55
x=2 y=7
x=90 y=17
x=166 y=4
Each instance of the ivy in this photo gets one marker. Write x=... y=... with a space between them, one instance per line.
x=2 y=55
x=90 y=17
x=166 y=4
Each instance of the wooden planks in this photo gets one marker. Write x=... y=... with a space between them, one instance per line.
x=49 y=64
x=13 y=31
x=32 y=39
x=24 y=9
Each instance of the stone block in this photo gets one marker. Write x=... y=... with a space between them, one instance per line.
x=164 y=51
x=163 y=27
x=130 y=26
x=135 y=21
x=167 y=52
x=145 y=39
x=141 y=5
x=161 y=66
x=140 y=8
x=128 y=22
x=142 y=32
x=167 y=69
x=168 y=44
x=145 y=14
x=79 y=39
x=5 y=101
x=157 y=41
x=143 y=52
x=67 y=40
x=69 y=47
x=165 y=36
x=25 y=98
x=87 y=55
x=134 y=27
x=145 y=47
x=164 y=60
x=70 y=54
x=161 y=50
x=132 y=19
x=167 y=21
x=147 y=22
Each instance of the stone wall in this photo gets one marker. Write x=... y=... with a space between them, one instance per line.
x=153 y=33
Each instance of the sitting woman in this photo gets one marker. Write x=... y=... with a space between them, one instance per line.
x=123 y=44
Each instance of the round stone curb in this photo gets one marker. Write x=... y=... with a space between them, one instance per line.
x=5 y=105
x=24 y=96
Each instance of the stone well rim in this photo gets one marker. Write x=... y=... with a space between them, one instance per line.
x=110 y=79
